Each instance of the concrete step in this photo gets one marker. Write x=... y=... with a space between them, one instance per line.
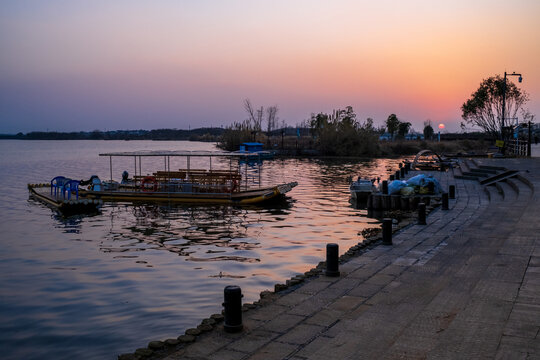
x=523 y=179
x=508 y=192
x=525 y=192
x=493 y=193
x=499 y=177
x=458 y=174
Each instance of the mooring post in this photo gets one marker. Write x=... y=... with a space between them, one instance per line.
x=387 y=231
x=377 y=201
x=386 y=202
x=397 y=177
x=452 y=191
x=395 y=202
x=332 y=260
x=392 y=177
x=233 y=309
x=445 y=201
x=385 y=187
x=402 y=172
x=421 y=213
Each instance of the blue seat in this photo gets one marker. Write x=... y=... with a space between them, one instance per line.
x=71 y=186
x=57 y=185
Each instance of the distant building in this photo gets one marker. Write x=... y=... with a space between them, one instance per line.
x=414 y=136
x=251 y=146
x=385 y=137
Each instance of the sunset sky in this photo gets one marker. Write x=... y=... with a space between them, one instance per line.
x=69 y=65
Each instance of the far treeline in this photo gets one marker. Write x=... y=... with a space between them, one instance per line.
x=492 y=108
x=340 y=134
x=200 y=134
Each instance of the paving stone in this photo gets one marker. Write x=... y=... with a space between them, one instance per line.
x=325 y=317
x=282 y=323
x=252 y=341
x=266 y=313
x=273 y=351
x=301 y=334
x=227 y=355
x=465 y=286
x=346 y=303
x=312 y=287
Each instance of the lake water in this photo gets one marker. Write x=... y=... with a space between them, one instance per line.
x=96 y=286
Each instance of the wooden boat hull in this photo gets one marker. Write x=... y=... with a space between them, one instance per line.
x=246 y=197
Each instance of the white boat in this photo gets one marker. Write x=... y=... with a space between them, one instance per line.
x=361 y=188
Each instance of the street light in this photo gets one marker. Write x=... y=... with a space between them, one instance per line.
x=520 y=79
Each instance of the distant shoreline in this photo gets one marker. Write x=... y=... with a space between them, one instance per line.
x=201 y=134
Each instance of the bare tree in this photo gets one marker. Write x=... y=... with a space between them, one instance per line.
x=250 y=111
x=271 y=118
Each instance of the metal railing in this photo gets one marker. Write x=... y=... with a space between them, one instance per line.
x=516 y=147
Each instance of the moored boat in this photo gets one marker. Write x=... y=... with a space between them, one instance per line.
x=62 y=195
x=361 y=189
x=209 y=186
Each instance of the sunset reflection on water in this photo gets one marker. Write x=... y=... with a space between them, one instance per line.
x=139 y=272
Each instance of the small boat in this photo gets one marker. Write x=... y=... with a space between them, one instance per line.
x=253 y=151
x=62 y=195
x=198 y=186
x=429 y=160
x=361 y=189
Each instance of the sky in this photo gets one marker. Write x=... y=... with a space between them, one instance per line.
x=71 y=65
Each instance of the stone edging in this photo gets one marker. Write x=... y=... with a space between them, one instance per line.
x=159 y=349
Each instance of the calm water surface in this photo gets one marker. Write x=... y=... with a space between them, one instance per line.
x=97 y=286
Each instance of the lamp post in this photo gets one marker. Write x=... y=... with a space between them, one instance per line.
x=520 y=79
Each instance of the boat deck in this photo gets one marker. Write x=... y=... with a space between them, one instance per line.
x=42 y=192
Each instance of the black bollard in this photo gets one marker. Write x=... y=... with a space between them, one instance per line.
x=332 y=260
x=402 y=172
x=392 y=178
x=397 y=175
x=386 y=202
x=452 y=191
x=385 y=187
x=395 y=202
x=387 y=231
x=445 y=201
x=421 y=214
x=233 y=309
x=377 y=202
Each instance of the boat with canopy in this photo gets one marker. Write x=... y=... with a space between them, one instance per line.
x=213 y=185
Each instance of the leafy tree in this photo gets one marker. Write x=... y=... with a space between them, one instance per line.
x=392 y=124
x=428 y=130
x=484 y=107
x=403 y=128
x=339 y=134
x=318 y=123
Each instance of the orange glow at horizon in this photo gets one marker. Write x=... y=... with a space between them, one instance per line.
x=186 y=63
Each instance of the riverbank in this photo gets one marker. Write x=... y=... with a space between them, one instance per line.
x=463 y=286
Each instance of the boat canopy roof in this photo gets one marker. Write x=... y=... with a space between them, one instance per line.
x=173 y=153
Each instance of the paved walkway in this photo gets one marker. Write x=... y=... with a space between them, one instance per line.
x=465 y=286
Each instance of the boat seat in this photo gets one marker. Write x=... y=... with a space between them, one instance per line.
x=69 y=187
x=57 y=185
